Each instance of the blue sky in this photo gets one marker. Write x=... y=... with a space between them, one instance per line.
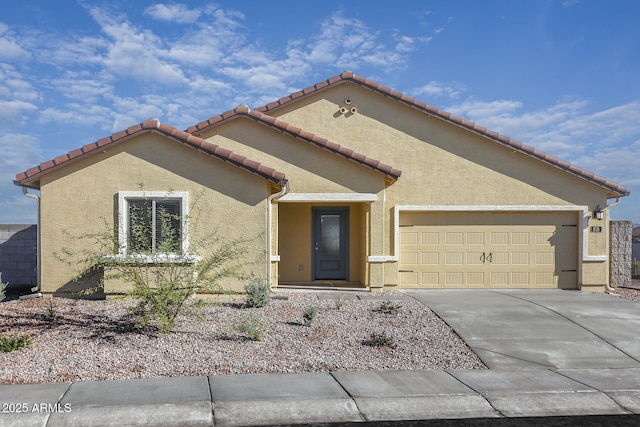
x=560 y=75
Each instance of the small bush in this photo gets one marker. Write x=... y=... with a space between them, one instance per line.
x=308 y=314
x=388 y=307
x=338 y=301
x=51 y=310
x=253 y=326
x=8 y=344
x=381 y=339
x=635 y=268
x=257 y=294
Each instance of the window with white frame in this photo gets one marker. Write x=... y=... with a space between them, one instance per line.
x=152 y=223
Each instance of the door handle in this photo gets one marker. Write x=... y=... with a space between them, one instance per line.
x=490 y=257
x=482 y=257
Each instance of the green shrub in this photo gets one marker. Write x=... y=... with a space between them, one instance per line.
x=3 y=289
x=161 y=277
x=388 y=307
x=380 y=339
x=252 y=325
x=12 y=343
x=338 y=300
x=257 y=293
x=308 y=314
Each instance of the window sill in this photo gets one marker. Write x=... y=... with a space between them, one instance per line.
x=153 y=259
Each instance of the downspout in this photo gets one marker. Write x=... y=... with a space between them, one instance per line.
x=36 y=289
x=284 y=184
x=607 y=287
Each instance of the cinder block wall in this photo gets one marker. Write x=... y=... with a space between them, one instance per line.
x=620 y=255
x=18 y=254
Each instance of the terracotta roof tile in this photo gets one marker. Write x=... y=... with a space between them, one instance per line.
x=349 y=77
x=32 y=175
x=300 y=134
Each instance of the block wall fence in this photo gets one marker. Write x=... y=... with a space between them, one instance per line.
x=18 y=254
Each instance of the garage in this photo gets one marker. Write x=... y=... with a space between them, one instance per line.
x=489 y=249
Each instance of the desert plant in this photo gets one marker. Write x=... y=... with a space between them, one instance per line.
x=380 y=339
x=3 y=289
x=257 y=293
x=388 y=307
x=253 y=325
x=338 y=300
x=12 y=343
x=309 y=314
x=162 y=278
x=51 y=309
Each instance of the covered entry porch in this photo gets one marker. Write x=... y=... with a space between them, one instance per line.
x=324 y=242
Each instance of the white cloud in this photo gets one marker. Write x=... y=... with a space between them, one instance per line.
x=10 y=48
x=76 y=87
x=173 y=13
x=348 y=43
x=13 y=112
x=136 y=53
x=435 y=89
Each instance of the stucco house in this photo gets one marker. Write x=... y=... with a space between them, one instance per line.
x=349 y=183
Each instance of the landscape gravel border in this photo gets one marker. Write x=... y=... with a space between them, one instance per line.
x=79 y=340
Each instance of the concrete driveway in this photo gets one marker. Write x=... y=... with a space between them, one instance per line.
x=515 y=329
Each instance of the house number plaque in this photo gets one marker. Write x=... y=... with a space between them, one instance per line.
x=596 y=229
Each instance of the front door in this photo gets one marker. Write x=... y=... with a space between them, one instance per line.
x=330 y=243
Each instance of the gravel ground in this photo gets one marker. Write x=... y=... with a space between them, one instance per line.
x=91 y=340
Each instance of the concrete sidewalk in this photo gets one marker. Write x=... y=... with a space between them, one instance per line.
x=337 y=397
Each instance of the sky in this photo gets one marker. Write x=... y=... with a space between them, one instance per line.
x=559 y=75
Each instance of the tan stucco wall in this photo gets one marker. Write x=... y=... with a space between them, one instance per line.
x=81 y=197
x=442 y=164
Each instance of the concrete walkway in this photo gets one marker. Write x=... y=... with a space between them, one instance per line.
x=558 y=354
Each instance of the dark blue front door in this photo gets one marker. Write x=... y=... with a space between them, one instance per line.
x=330 y=243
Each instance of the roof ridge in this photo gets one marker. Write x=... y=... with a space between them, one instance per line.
x=348 y=76
x=298 y=133
x=152 y=125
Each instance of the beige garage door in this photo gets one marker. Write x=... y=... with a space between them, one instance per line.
x=475 y=250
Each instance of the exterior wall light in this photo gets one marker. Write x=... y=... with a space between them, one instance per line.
x=598 y=213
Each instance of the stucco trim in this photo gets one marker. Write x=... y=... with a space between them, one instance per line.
x=123 y=219
x=328 y=197
x=500 y=208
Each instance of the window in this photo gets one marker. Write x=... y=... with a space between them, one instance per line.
x=152 y=223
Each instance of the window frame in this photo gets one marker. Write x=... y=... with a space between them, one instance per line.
x=123 y=225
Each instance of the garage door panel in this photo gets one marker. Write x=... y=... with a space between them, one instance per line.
x=430 y=238
x=489 y=249
x=454 y=258
x=499 y=258
x=475 y=258
x=453 y=238
x=475 y=278
x=430 y=258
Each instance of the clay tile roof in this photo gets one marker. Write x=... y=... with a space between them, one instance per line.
x=31 y=176
x=349 y=77
x=300 y=134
